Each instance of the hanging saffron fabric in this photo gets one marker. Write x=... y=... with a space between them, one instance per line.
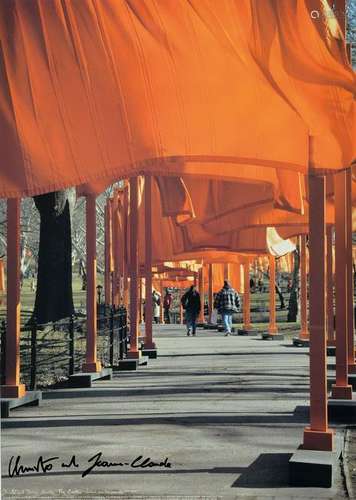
x=96 y=90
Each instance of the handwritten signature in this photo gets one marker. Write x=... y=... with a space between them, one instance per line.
x=45 y=465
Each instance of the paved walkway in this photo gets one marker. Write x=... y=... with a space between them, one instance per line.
x=226 y=412
x=350 y=461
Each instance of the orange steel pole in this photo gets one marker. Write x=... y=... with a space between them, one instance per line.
x=91 y=364
x=210 y=290
x=149 y=344
x=116 y=242
x=330 y=287
x=304 y=333
x=118 y=252
x=349 y=270
x=317 y=436
x=181 y=307
x=121 y=250
x=272 y=329
x=107 y=245
x=201 y=292
x=247 y=297
x=13 y=388
x=134 y=351
x=113 y=254
x=126 y=242
x=161 y=316
x=341 y=389
x=140 y=297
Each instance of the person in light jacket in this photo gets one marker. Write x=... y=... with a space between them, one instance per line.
x=227 y=302
x=156 y=303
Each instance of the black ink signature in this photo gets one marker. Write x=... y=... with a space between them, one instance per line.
x=16 y=468
x=138 y=462
x=41 y=466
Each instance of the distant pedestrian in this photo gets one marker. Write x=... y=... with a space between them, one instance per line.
x=156 y=302
x=260 y=285
x=167 y=302
x=191 y=304
x=227 y=302
x=252 y=285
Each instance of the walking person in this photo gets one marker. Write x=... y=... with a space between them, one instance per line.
x=191 y=304
x=167 y=302
x=227 y=302
x=156 y=302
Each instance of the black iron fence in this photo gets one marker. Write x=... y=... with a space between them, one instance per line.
x=50 y=353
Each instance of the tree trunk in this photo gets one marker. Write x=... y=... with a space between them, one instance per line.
x=293 y=306
x=280 y=296
x=54 y=295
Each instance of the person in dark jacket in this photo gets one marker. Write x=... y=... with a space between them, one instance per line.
x=227 y=302
x=191 y=304
x=167 y=302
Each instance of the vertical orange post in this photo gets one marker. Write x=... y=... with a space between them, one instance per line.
x=12 y=387
x=161 y=315
x=210 y=291
x=272 y=329
x=181 y=308
x=115 y=253
x=349 y=270
x=201 y=292
x=247 y=297
x=304 y=333
x=330 y=287
x=91 y=364
x=126 y=243
x=149 y=344
x=107 y=250
x=2 y=276
x=120 y=249
x=317 y=436
x=140 y=298
x=341 y=389
x=134 y=351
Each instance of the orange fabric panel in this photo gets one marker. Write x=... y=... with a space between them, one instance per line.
x=218 y=277
x=263 y=215
x=167 y=239
x=70 y=114
x=237 y=277
x=256 y=186
x=175 y=198
x=305 y=59
x=172 y=241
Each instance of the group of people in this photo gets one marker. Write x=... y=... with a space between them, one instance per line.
x=259 y=285
x=156 y=304
x=227 y=302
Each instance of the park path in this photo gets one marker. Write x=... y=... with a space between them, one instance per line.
x=227 y=412
x=350 y=461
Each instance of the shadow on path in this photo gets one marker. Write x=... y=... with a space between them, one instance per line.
x=206 y=354
x=94 y=421
x=269 y=470
x=175 y=390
